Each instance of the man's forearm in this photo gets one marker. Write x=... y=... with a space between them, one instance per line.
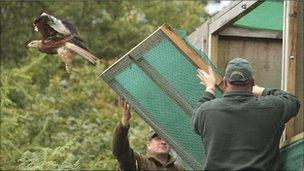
x=257 y=90
x=211 y=90
x=120 y=140
x=207 y=97
x=121 y=148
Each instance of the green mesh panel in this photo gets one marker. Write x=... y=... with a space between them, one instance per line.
x=162 y=111
x=160 y=82
x=178 y=70
x=202 y=54
x=267 y=16
x=292 y=156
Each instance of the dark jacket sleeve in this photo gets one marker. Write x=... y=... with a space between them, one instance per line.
x=289 y=103
x=121 y=148
x=206 y=97
x=197 y=118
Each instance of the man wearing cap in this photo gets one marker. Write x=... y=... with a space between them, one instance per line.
x=157 y=158
x=242 y=130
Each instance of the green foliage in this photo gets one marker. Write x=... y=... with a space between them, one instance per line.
x=50 y=120
x=68 y=124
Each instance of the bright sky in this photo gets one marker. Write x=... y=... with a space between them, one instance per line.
x=214 y=7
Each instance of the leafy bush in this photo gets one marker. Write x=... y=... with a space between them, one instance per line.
x=62 y=122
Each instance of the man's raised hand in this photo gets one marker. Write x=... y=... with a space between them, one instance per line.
x=208 y=80
x=126 y=116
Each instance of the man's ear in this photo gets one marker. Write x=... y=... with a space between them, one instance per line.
x=225 y=82
x=148 y=145
x=253 y=81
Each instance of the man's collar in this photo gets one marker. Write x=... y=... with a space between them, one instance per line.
x=170 y=161
x=237 y=93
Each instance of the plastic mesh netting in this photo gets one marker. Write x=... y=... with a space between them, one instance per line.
x=177 y=69
x=161 y=110
x=292 y=155
x=159 y=81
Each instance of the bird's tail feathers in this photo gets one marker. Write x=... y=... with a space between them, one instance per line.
x=84 y=53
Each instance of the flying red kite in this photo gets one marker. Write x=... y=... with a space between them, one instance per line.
x=60 y=37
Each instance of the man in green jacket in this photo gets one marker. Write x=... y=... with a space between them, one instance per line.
x=242 y=130
x=157 y=158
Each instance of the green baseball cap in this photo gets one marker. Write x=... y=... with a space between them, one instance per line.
x=238 y=72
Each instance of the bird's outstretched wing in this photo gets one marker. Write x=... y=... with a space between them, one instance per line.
x=64 y=28
x=84 y=53
x=50 y=26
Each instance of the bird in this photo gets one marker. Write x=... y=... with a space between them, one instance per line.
x=65 y=49
x=60 y=37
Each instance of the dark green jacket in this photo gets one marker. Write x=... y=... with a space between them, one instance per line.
x=130 y=160
x=241 y=131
